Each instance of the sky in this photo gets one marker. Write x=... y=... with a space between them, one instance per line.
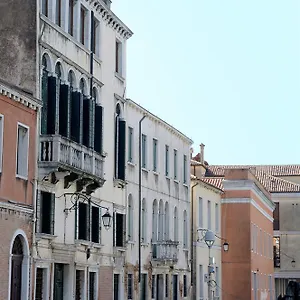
x=226 y=73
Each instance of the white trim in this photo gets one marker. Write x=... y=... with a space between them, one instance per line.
x=287 y=274
x=46 y=280
x=285 y=195
x=247 y=201
x=279 y=232
x=16 y=207
x=25 y=265
x=19 y=124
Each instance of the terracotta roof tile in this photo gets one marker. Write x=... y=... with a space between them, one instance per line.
x=216 y=182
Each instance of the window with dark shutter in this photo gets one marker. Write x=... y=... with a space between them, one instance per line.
x=276 y=252
x=51 y=109
x=47 y=203
x=82 y=221
x=39 y=283
x=86 y=122
x=276 y=223
x=45 y=102
x=95 y=225
x=75 y=116
x=121 y=149
x=184 y=286
x=119 y=230
x=98 y=128
x=92 y=286
x=63 y=110
x=71 y=17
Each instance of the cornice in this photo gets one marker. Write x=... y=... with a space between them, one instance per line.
x=158 y=120
x=110 y=18
x=12 y=93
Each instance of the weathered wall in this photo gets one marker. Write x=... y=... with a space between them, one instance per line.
x=18 y=43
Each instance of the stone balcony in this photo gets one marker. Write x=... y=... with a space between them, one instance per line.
x=163 y=251
x=60 y=157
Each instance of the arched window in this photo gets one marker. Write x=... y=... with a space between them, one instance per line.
x=167 y=222
x=19 y=269
x=98 y=129
x=176 y=225
x=154 y=220
x=130 y=219
x=95 y=95
x=58 y=70
x=71 y=79
x=82 y=86
x=161 y=221
x=144 y=221
x=185 y=231
x=44 y=93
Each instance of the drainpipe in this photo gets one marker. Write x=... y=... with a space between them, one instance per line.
x=193 y=286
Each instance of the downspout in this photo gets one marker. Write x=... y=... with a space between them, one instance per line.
x=193 y=262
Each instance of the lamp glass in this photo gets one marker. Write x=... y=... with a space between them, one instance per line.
x=226 y=246
x=209 y=238
x=106 y=219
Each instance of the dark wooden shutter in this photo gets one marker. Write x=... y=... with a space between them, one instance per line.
x=45 y=212
x=63 y=110
x=45 y=102
x=82 y=221
x=119 y=230
x=98 y=128
x=116 y=146
x=75 y=119
x=52 y=213
x=95 y=224
x=51 y=109
x=86 y=122
x=276 y=223
x=121 y=149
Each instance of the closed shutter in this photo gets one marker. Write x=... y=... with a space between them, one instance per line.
x=87 y=121
x=116 y=146
x=92 y=123
x=121 y=149
x=52 y=213
x=95 y=224
x=98 y=128
x=75 y=119
x=63 y=110
x=51 y=109
x=45 y=102
x=38 y=211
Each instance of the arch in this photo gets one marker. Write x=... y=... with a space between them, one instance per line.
x=59 y=70
x=144 y=221
x=167 y=222
x=72 y=79
x=83 y=86
x=96 y=94
x=63 y=68
x=47 y=61
x=19 y=258
x=161 y=220
x=130 y=218
x=154 y=220
x=119 y=110
x=185 y=231
x=176 y=224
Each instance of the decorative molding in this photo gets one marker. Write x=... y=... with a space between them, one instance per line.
x=285 y=195
x=11 y=207
x=287 y=274
x=11 y=93
x=280 y=232
x=247 y=201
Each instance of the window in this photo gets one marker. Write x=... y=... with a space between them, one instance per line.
x=83 y=221
x=185 y=231
x=96 y=36
x=255 y=286
x=144 y=151
x=40 y=290
x=83 y=14
x=92 y=286
x=154 y=221
x=71 y=17
x=167 y=286
x=271 y=287
x=22 y=151
x=58 y=12
x=175 y=164
x=167 y=221
x=144 y=286
x=208 y=214
x=129 y=286
x=153 y=287
x=217 y=217
x=119 y=57
x=167 y=160
x=201 y=282
x=79 y=285
x=175 y=225
x=46 y=207
x=184 y=286
x=217 y=282
x=276 y=251
x=116 y=286
x=184 y=169
x=1 y=141
x=276 y=222
x=154 y=155
x=96 y=212
x=130 y=144
x=130 y=218
x=144 y=221
x=119 y=230
x=200 y=211
x=45 y=7
x=59 y=283
x=161 y=221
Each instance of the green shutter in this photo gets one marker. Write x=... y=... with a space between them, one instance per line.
x=121 y=149
x=98 y=124
x=63 y=110
x=86 y=122
x=75 y=117
x=51 y=109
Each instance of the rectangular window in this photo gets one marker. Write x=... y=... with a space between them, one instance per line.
x=1 y=141
x=184 y=286
x=217 y=282
x=200 y=209
x=201 y=282
x=119 y=229
x=175 y=164
x=59 y=283
x=129 y=286
x=92 y=286
x=208 y=214
x=116 y=286
x=143 y=287
x=83 y=221
x=217 y=220
x=45 y=7
x=47 y=206
x=40 y=277
x=96 y=36
x=22 y=151
x=79 y=285
x=167 y=286
x=58 y=13
x=82 y=24
x=130 y=144
x=153 y=287
x=119 y=57
x=276 y=252
x=95 y=224
x=271 y=287
x=144 y=151
x=154 y=155
x=167 y=160
x=276 y=222
x=184 y=169
x=71 y=17
x=255 y=288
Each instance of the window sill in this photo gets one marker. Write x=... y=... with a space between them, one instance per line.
x=83 y=242
x=145 y=170
x=97 y=59
x=155 y=173
x=130 y=242
x=21 y=177
x=184 y=184
x=120 y=183
x=97 y=245
x=119 y=248
x=176 y=181
x=144 y=244
x=130 y=163
x=45 y=236
x=185 y=249
x=119 y=76
x=168 y=178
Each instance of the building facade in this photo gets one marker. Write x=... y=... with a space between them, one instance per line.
x=165 y=208
x=18 y=125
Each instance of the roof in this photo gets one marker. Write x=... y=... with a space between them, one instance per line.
x=216 y=182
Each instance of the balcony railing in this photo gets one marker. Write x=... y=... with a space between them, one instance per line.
x=165 y=250
x=60 y=151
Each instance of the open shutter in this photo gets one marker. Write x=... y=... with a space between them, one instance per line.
x=75 y=119
x=52 y=213
x=45 y=102
x=51 y=109
x=63 y=110
x=116 y=146
x=92 y=123
x=121 y=149
x=38 y=211
x=98 y=128
x=86 y=121
x=95 y=224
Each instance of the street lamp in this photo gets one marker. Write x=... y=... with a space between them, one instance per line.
x=209 y=238
x=106 y=219
x=225 y=246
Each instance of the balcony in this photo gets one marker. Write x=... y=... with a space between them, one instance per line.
x=71 y=161
x=163 y=251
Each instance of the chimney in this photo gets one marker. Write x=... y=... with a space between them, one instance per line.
x=202 y=153
x=191 y=152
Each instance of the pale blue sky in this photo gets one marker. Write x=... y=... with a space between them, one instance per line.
x=224 y=72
